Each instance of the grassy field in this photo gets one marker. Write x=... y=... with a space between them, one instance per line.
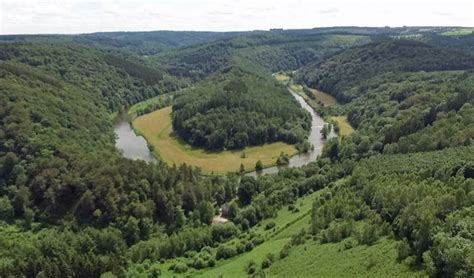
x=154 y=101
x=156 y=127
x=319 y=97
x=346 y=128
x=282 y=77
x=458 y=32
x=313 y=259
x=323 y=97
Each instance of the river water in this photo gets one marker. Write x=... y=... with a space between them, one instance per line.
x=315 y=139
x=133 y=146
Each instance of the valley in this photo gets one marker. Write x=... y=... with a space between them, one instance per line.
x=119 y=149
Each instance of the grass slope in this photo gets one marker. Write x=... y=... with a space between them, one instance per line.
x=313 y=259
x=287 y=223
x=156 y=127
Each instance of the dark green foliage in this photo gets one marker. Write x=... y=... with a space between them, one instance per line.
x=150 y=76
x=354 y=66
x=250 y=267
x=247 y=188
x=238 y=109
x=259 y=166
x=285 y=251
x=71 y=206
x=283 y=160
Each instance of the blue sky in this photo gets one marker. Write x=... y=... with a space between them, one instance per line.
x=85 y=16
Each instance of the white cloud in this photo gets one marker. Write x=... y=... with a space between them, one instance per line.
x=83 y=16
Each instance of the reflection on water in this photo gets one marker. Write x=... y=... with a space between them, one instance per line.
x=131 y=145
x=315 y=139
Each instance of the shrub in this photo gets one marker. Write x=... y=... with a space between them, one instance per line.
x=266 y=263
x=368 y=234
x=180 y=267
x=240 y=248
x=285 y=251
x=248 y=246
x=270 y=225
x=225 y=252
x=250 y=267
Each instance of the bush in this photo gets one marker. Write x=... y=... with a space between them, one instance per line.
x=225 y=252
x=180 y=267
x=270 y=225
x=285 y=251
x=250 y=267
x=248 y=246
x=266 y=263
x=199 y=263
x=368 y=234
x=240 y=248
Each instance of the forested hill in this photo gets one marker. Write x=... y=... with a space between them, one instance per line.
x=272 y=50
x=394 y=198
x=239 y=107
x=70 y=205
x=356 y=65
x=140 y=43
x=119 y=80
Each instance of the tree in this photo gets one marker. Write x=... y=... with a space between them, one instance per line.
x=206 y=212
x=259 y=166
x=248 y=187
x=242 y=168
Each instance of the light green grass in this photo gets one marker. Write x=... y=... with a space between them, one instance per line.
x=313 y=259
x=282 y=77
x=458 y=32
x=146 y=103
x=157 y=128
x=287 y=223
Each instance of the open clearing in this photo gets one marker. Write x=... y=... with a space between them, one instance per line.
x=319 y=96
x=323 y=97
x=346 y=128
x=458 y=32
x=282 y=77
x=156 y=127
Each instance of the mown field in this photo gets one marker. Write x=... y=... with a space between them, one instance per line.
x=156 y=127
x=345 y=126
x=323 y=97
x=282 y=77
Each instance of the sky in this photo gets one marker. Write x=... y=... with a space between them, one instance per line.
x=86 y=16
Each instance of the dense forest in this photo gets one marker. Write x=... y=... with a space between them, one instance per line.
x=359 y=64
x=239 y=108
x=71 y=205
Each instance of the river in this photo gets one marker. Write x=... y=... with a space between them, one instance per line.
x=315 y=139
x=131 y=145
x=134 y=146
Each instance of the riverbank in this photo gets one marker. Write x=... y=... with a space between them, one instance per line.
x=156 y=127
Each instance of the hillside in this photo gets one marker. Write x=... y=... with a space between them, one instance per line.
x=392 y=198
x=238 y=108
x=354 y=66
